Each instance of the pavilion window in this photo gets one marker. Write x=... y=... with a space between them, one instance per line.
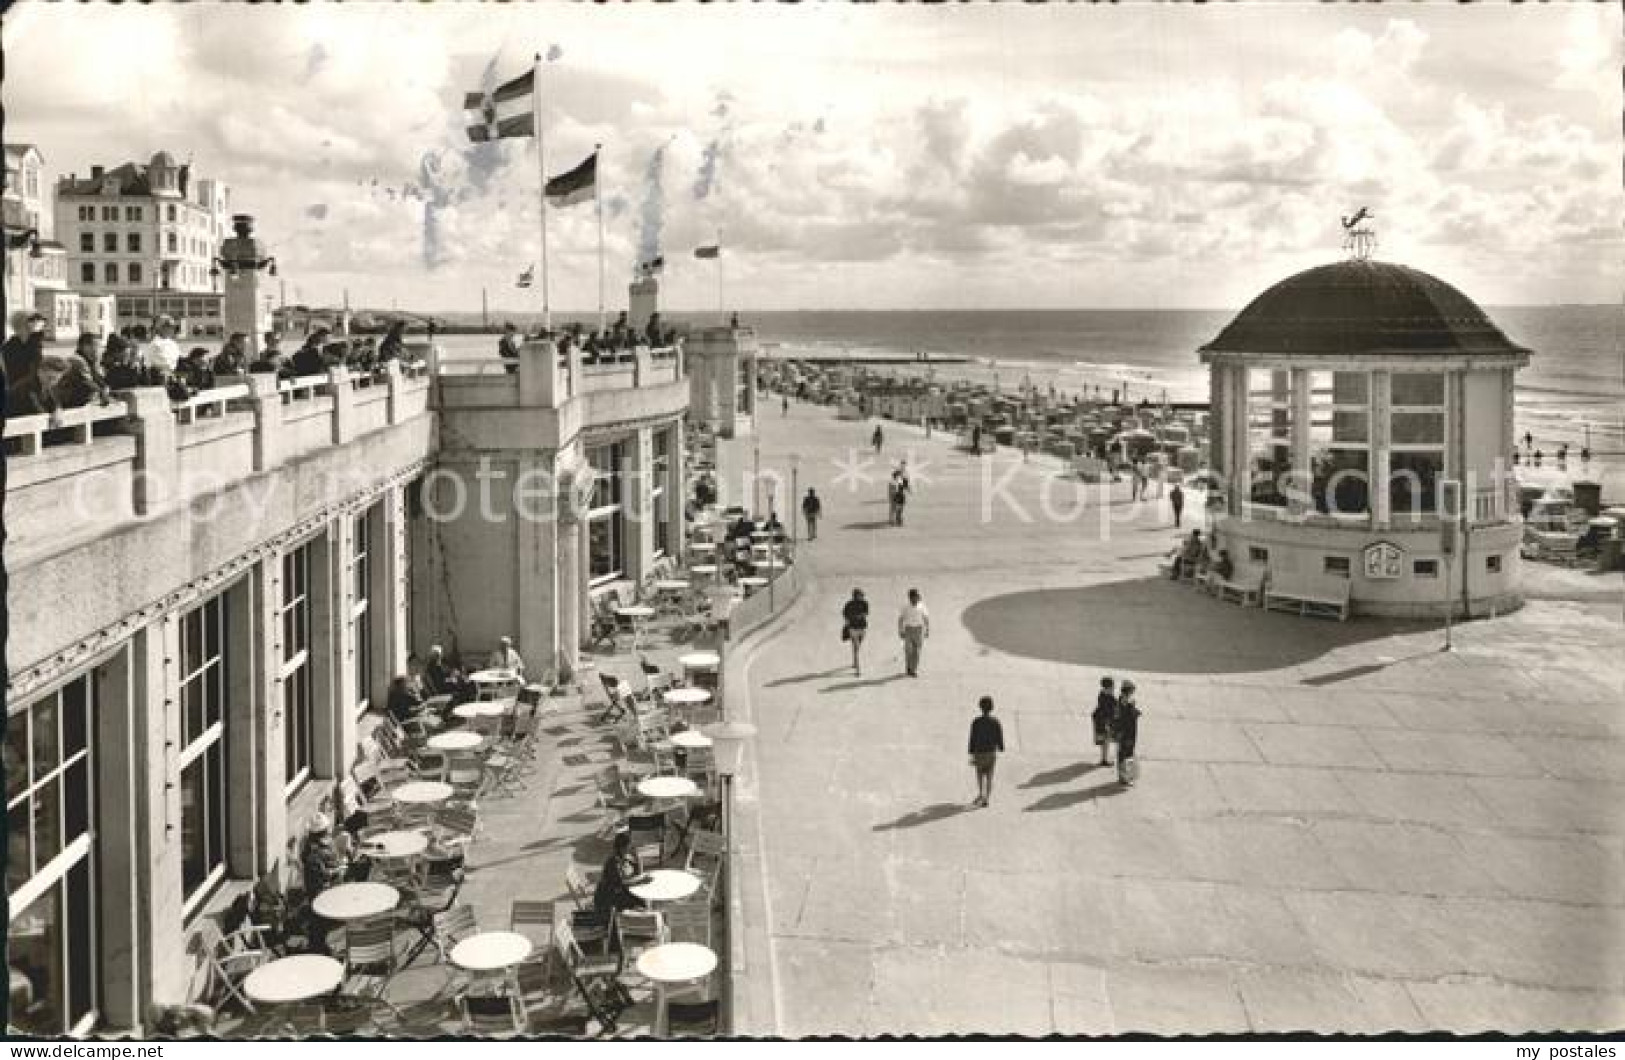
x=1340 y=442
x=298 y=699
x=203 y=750
x=1269 y=434
x=657 y=492
x=1417 y=440
x=361 y=607
x=51 y=945
x=606 y=524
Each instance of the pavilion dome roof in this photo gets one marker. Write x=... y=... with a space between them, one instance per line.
x=1360 y=307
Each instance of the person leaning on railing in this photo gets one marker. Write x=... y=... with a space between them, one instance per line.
x=24 y=353
x=82 y=382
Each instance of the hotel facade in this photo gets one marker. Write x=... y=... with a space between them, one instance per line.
x=206 y=599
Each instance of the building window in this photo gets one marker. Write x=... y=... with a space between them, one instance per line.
x=135 y=272
x=1425 y=568
x=50 y=861
x=1338 y=565
x=659 y=466
x=203 y=749
x=1492 y=564
x=110 y=242
x=169 y=212
x=110 y=272
x=132 y=213
x=87 y=272
x=1269 y=434
x=298 y=701
x=361 y=609
x=172 y=241
x=606 y=530
x=1257 y=555
x=110 y=213
x=87 y=242
x=133 y=242
x=1417 y=432
x=87 y=213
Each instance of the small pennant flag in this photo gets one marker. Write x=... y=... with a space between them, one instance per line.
x=504 y=112
x=527 y=277
x=708 y=252
x=576 y=186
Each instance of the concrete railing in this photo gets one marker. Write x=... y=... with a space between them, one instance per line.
x=152 y=452
x=34 y=434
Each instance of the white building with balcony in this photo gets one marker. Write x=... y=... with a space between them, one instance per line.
x=35 y=263
x=147 y=235
x=1345 y=400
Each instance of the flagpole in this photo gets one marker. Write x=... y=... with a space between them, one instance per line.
x=541 y=173
x=598 y=202
x=721 y=312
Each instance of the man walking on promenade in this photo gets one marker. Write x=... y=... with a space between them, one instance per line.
x=913 y=625
x=811 y=509
x=1176 y=500
x=1128 y=736
x=986 y=741
x=878 y=438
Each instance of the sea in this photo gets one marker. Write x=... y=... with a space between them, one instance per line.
x=1573 y=391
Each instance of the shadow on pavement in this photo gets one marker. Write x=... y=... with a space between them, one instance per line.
x=1153 y=625
x=888 y=679
x=801 y=678
x=1060 y=776
x=881 y=525
x=938 y=812
x=1062 y=799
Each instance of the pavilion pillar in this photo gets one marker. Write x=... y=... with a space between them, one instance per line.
x=1299 y=501
x=1381 y=492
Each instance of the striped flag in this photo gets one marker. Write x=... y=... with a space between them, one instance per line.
x=714 y=251
x=504 y=112
x=527 y=277
x=576 y=186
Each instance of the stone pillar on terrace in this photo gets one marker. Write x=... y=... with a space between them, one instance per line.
x=539 y=374
x=156 y=464
x=638 y=543
x=569 y=595
x=539 y=576
x=266 y=401
x=156 y=738
x=1382 y=501
x=338 y=382
x=120 y=838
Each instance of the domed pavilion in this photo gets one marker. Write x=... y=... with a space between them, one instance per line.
x=1356 y=409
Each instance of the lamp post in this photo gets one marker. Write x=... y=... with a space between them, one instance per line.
x=728 y=738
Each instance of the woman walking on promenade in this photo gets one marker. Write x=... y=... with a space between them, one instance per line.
x=878 y=439
x=1105 y=719
x=1128 y=735
x=854 y=624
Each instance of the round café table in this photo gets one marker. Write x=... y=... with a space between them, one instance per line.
x=395 y=845
x=685 y=699
x=690 y=739
x=666 y=885
x=671 y=585
x=291 y=979
x=667 y=788
x=490 y=684
x=456 y=740
x=675 y=962
x=422 y=792
x=485 y=708
x=491 y=951
x=355 y=901
x=761 y=535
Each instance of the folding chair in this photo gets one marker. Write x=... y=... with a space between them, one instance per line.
x=706 y=853
x=688 y=921
x=575 y=881
x=230 y=959
x=639 y=930
x=686 y=1019
x=492 y=1015
x=456 y=824
x=369 y=955
x=648 y=837
x=534 y=920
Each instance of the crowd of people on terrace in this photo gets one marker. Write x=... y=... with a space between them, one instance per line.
x=139 y=356
x=617 y=337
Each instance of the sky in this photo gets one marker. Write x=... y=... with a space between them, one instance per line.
x=873 y=157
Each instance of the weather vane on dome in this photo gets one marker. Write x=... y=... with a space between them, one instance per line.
x=1357 y=240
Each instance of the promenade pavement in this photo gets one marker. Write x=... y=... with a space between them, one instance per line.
x=1338 y=827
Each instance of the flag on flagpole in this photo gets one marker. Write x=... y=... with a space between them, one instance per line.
x=527 y=277
x=714 y=251
x=576 y=186
x=652 y=266
x=504 y=112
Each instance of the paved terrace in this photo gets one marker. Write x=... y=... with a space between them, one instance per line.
x=1337 y=828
